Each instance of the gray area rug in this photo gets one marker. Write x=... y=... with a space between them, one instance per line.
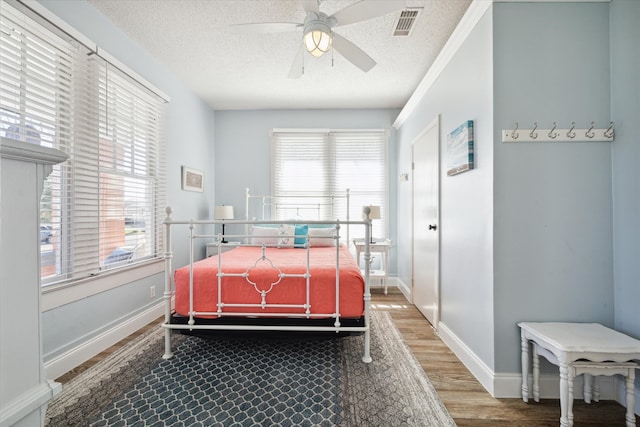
x=243 y=381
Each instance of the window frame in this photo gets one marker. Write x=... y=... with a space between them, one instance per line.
x=357 y=197
x=68 y=289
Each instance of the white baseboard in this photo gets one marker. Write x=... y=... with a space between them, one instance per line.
x=509 y=385
x=406 y=290
x=473 y=363
x=76 y=356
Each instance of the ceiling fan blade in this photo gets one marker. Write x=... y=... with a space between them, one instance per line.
x=268 y=27
x=365 y=10
x=310 y=5
x=297 y=67
x=353 y=53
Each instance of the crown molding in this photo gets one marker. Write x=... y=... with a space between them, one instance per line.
x=468 y=22
x=472 y=16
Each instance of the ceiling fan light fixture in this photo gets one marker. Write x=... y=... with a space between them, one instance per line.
x=317 y=42
x=317 y=38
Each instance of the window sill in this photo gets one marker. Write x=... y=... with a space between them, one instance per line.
x=54 y=296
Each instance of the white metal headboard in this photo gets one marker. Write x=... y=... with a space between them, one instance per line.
x=274 y=205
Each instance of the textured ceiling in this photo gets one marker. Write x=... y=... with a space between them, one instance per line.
x=231 y=69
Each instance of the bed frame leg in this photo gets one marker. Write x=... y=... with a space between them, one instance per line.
x=366 y=357
x=168 y=289
x=167 y=344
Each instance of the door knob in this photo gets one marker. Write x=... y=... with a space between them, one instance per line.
x=433 y=227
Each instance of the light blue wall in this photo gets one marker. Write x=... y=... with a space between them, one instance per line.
x=463 y=91
x=243 y=149
x=625 y=111
x=537 y=225
x=189 y=138
x=553 y=256
x=71 y=325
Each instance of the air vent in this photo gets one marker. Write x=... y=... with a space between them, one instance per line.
x=407 y=20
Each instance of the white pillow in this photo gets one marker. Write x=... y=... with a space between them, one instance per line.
x=280 y=236
x=318 y=237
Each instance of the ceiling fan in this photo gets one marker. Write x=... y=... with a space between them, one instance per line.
x=318 y=35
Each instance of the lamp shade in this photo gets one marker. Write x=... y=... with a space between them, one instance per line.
x=375 y=212
x=223 y=212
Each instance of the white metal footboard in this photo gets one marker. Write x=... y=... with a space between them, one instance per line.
x=192 y=323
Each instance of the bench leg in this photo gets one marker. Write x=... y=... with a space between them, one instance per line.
x=525 y=367
x=571 y=374
x=564 y=396
x=631 y=416
x=588 y=388
x=536 y=373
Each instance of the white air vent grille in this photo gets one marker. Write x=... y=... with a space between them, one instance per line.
x=405 y=23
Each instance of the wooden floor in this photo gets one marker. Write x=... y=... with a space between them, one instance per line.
x=467 y=401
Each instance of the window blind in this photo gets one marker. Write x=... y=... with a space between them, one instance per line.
x=316 y=165
x=130 y=164
x=102 y=208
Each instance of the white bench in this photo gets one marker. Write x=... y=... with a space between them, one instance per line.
x=577 y=349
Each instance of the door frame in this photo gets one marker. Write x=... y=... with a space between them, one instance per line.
x=434 y=123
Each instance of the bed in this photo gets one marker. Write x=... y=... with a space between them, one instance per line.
x=288 y=276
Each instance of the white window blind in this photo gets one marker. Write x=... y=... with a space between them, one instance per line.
x=313 y=166
x=102 y=208
x=131 y=164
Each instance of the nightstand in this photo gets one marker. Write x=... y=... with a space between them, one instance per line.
x=380 y=247
x=214 y=249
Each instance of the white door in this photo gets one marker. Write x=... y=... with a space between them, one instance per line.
x=426 y=214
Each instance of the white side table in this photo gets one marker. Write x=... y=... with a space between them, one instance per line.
x=380 y=247
x=578 y=348
x=214 y=249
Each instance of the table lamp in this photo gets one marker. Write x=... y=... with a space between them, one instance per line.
x=221 y=213
x=374 y=213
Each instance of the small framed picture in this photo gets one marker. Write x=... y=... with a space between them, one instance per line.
x=460 y=150
x=192 y=180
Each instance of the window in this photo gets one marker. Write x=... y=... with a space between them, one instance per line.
x=102 y=208
x=129 y=170
x=320 y=164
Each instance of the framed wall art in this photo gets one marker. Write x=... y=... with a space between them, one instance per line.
x=192 y=180
x=460 y=149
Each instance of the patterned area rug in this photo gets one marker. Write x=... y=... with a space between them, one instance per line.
x=244 y=381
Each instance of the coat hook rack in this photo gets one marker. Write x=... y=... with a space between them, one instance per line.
x=554 y=134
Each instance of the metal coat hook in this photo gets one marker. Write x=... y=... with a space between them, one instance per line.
x=570 y=133
x=552 y=133
x=514 y=134
x=609 y=132
x=533 y=134
x=589 y=133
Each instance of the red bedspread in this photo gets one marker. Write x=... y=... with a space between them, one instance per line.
x=288 y=291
